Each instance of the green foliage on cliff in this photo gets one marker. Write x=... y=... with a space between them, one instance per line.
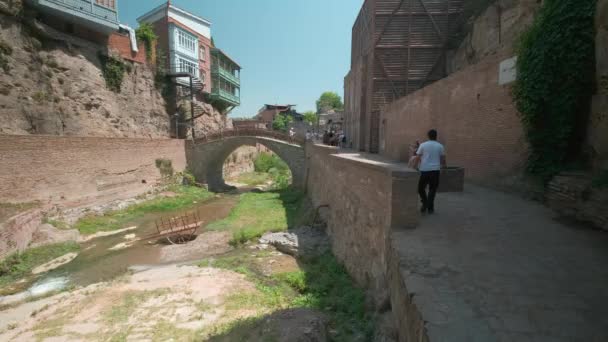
x=145 y=33
x=555 y=82
x=113 y=71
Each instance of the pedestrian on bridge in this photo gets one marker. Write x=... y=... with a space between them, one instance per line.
x=431 y=158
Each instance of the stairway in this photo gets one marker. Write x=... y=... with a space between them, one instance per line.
x=197 y=84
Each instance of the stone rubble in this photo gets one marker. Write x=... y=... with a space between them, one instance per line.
x=302 y=241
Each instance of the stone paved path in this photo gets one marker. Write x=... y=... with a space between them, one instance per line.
x=493 y=267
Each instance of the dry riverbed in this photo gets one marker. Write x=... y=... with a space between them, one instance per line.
x=222 y=286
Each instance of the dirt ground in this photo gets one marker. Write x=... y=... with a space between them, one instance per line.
x=170 y=301
x=206 y=244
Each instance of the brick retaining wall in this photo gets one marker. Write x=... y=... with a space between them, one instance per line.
x=78 y=171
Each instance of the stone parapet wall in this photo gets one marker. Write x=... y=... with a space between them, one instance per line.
x=369 y=197
x=78 y=171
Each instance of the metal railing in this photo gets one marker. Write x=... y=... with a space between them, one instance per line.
x=225 y=95
x=249 y=132
x=218 y=70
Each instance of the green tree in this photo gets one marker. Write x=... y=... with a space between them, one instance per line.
x=281 y=122
x=310 y=117
x=329 y=100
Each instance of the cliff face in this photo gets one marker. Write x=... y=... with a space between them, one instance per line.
x=55 y=85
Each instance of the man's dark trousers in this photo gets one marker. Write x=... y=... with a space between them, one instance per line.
x=430 y=178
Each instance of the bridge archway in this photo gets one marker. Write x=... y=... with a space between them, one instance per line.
x=206 y=158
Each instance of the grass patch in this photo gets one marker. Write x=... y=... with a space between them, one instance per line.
x=114 y=220
x=166 y=331
x=253 y=178
x=322 y=284
x=275 y=167
x=240 y=330
x=59 y=224
x=7 y=210
x=130 y=302
x=258 y=213
x=19 y=265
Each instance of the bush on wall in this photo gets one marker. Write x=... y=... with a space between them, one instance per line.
x=555 y=81
x=145 y=33
x=113 y=71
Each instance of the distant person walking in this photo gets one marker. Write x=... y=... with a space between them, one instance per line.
x=431 y=155
x=292 y=134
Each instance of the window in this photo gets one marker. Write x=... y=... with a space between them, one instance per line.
x=106 y=3
x=187 y=66
x=186 y=41
x=203 y=53
x=203 y=76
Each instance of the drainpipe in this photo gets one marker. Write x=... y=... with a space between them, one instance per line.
x=132 y=37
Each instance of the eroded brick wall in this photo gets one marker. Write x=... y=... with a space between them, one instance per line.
x=476 y=119
x=16 y=233
x=78 y=171
x=120 y=44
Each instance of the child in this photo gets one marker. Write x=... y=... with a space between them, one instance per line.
x=413 y=161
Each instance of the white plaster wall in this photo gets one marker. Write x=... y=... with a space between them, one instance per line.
x=204 y=29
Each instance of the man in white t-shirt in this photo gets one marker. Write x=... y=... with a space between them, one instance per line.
x=431 y=158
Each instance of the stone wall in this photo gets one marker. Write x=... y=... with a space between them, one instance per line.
x=369 y=197
x=77 y=171
x=240 y=161
x=495 y=30
x=573 y=195
x=476 y=119
x=52 y=89
x=16 y=233
x=598 y=123
x=206 y=160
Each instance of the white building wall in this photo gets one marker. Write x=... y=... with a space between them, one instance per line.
x=178 y=53
x=202 y=28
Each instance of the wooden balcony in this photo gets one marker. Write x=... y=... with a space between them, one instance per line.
x=225 y=74
x=225 y=96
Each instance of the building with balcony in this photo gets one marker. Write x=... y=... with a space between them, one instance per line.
x=93 y=20
x=185 y=39
x=225 y=78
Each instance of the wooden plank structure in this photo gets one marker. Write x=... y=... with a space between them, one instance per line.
x=177 y=230
x=398 y=46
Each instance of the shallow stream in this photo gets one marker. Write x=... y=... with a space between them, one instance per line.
x=97 y=262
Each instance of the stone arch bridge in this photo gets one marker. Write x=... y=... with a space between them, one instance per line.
x=206 y=156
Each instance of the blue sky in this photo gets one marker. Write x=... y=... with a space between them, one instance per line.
x=291 y=50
